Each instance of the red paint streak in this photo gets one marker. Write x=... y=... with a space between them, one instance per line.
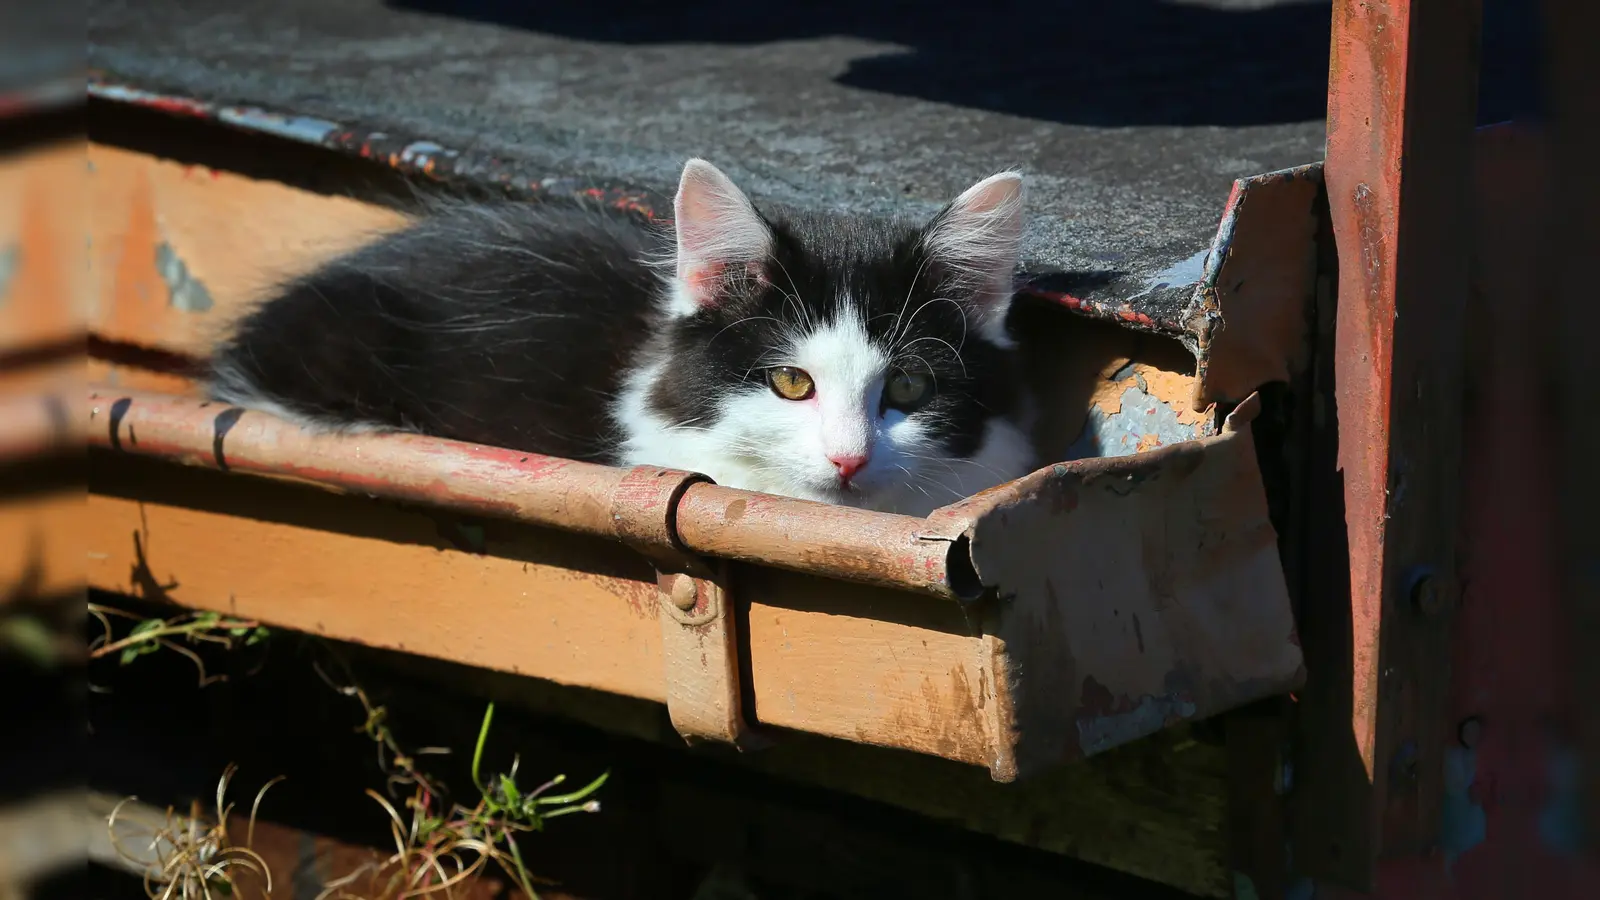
x=1067 y=300
x=1234 y=195
x=176 y=106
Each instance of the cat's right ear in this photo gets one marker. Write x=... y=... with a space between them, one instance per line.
x=718 y=228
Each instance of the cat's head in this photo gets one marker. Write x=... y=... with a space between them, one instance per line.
x=843 y=358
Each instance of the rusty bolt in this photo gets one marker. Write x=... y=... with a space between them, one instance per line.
x=1470 y=731
x=684 y=595
x=1428 y=596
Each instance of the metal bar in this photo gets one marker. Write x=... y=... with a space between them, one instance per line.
x=1401 y=106
x=853 y=544
x=836 y=542
x=1573 y=231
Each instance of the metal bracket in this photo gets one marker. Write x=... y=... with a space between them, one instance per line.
x=699 y=630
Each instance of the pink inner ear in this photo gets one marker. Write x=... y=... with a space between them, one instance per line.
x=704 y=281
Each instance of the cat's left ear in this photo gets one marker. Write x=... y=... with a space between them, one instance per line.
x=718 y=228
x=978 y=240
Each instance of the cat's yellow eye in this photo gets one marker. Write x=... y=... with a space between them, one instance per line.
x=906 y=389
x=791 y=383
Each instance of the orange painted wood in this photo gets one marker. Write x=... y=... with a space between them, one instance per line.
x=234 y=235
x=870 y=665
x=41 y=545
x=540 y=603
x=43 y=283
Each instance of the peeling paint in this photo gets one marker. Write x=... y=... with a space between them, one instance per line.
x=185 y=292
x=409 y=154
x=1098 y=732
x=1561 y=819
x=295 y=128
x=1142 y=422
x=1463 y=824
x=10 y=262
x=1183 y=272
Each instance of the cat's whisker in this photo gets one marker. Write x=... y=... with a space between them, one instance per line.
x=894 y=331
x=794 y=291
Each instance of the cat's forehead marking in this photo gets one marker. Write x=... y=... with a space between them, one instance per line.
x=848 y=370
x=840 y=351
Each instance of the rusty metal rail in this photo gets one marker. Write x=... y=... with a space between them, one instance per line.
x=900 y=552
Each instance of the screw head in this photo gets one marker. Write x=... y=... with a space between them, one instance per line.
x=683 y=594
x=1470 y=731
x=1427 y=595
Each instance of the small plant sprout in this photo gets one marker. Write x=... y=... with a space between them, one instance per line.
x=192 y=628
x=437 y=852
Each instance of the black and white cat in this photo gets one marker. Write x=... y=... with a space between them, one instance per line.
x=828 y=357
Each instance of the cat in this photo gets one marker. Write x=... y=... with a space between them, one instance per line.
x=834 y=358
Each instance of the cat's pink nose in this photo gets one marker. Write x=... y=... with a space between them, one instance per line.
x=848 y=464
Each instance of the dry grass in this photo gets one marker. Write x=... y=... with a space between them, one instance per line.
x=186 y=859
x=439 y=846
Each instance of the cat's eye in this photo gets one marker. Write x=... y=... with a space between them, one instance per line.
x=791 y=383
x=906 y=389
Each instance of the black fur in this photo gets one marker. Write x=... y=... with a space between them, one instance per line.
x=513 y=325
x=505 y=324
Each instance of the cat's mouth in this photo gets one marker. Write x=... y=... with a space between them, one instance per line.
x=851 y=494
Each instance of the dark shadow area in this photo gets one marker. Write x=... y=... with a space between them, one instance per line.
x=1084 y=62
x=1510 y=61
x=667 y=815
x=1228 y=63
x=193 y=141
x=1330 y=811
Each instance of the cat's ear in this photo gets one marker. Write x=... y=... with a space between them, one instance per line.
x=977 y=239
x=717 y=228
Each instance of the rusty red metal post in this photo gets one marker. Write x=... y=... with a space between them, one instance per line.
x=1401 y=108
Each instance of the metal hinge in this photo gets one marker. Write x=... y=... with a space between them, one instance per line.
x=699 y=628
